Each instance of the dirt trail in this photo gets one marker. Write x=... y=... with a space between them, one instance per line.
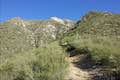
x=76 y=73
x=82 y=68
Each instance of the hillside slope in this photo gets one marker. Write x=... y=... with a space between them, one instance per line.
x=20 y=35
x=97 y=35
x=38 y=49
x=96 y=23
x=29 y=49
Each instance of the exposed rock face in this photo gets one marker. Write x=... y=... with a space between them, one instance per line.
x=39 y=32
x=58 y=20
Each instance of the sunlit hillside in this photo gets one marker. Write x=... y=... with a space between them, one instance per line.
x=61 y=49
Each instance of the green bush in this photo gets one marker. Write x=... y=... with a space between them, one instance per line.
x=102 y=49
x=45 y=63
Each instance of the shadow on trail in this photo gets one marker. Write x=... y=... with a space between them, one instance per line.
x=83 y=61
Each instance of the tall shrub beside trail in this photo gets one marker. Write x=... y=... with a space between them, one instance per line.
x=45 y=63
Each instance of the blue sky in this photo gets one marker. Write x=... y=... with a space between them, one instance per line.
x=43 y=9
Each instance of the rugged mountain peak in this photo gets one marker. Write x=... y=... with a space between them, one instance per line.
x=58 y=20
x=68 y=20
x=15 y=20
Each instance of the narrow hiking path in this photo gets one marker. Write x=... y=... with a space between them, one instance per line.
x=76 y=73
x=82 y=68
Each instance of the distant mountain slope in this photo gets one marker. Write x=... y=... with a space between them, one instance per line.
x=20 y=35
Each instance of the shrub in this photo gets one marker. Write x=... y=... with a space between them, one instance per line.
x=45 y=63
